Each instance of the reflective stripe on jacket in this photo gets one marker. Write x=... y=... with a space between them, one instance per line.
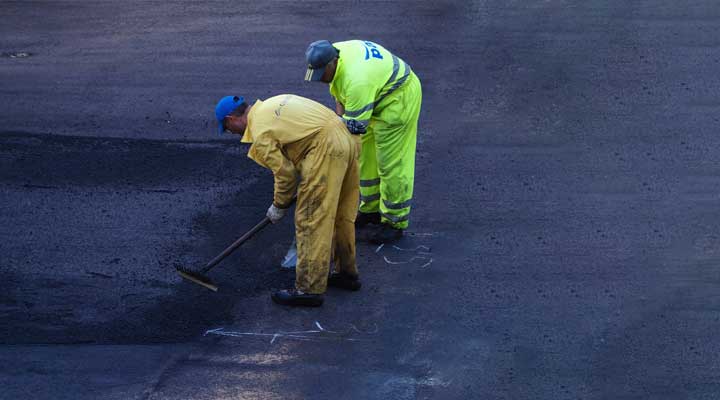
x=366 y=73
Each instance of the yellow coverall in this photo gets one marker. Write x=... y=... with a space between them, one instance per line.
x=379 y=89
x=292 y=135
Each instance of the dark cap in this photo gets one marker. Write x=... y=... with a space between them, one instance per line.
x=318 y=55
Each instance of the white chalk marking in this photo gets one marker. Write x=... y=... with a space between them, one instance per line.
x=272 y=335
x=427 y=249
x=311 y=335
x=213 y=330
x=379 y=248
x=322 y=329
x=392 y=262
x=427 y=264
x=299 y=332
x=406 y=262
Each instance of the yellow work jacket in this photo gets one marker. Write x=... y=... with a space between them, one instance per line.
x=281 y=129
x=366 y=73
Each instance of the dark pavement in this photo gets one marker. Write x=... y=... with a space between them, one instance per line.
x=565 y=240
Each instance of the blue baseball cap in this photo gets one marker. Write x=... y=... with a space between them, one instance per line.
x=224 y=107
x=318 y=55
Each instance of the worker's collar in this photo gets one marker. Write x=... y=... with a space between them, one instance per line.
x=247 y=136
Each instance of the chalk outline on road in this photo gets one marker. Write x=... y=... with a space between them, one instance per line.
x=314 y=335
x=421 y=253
x=411 y=260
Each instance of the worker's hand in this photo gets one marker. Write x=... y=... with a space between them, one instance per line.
x=275 y=214
x=355 y=127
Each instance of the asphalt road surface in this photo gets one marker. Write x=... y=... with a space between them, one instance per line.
x=564 y=244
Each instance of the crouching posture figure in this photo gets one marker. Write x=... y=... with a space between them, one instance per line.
x=291 y=136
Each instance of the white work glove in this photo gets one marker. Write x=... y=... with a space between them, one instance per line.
x=275 y=214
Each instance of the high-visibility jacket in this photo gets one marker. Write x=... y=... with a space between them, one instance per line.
x=366 y=74
x=379 y=90
x=280 y=129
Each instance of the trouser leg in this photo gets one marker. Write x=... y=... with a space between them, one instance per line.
x=346 y=211
x=369 y=176
x=395 y=138
x=323 y=171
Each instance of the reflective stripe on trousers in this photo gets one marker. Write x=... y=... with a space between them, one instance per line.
x=387 y=159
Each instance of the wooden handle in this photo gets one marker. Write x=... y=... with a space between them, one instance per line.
x=265 y=222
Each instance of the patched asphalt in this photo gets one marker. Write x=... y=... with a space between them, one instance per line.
x=564 y=241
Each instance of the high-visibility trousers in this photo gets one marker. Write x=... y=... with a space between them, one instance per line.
x=387 y=158
x=326 y=207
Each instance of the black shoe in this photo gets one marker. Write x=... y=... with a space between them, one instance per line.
x=364 y=219
x=345 y=281
x=386 y=234
x=294 y=297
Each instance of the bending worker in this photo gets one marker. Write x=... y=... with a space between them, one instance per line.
x=379 y=97
x=292 y=135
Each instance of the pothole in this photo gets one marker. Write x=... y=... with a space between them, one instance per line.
x=16 y=54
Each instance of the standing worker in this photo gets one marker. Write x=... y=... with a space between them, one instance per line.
x=292 y=135
x=379 y=97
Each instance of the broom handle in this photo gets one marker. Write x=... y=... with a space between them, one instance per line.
x=265 y=222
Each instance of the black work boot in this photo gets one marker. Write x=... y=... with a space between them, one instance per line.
x=294 y=297
x=345 y=281
x=364 y=219
x=386 y=234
